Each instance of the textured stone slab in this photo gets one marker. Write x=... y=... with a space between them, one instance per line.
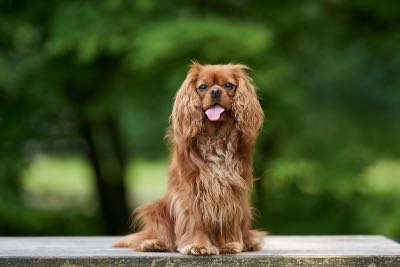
x=278 y=251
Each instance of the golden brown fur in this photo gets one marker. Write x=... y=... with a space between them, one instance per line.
x=206 y=208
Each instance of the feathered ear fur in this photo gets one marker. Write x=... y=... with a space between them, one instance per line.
x=246 y=107
x=187 y=117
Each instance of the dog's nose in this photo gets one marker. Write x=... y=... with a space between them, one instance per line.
x=215 y=93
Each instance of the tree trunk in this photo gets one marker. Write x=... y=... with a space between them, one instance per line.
x=106 y=156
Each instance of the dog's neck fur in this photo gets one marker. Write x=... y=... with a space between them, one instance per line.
x=218 y=138
x=218 y=129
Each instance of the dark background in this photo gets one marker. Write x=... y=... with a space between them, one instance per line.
x=86 y=89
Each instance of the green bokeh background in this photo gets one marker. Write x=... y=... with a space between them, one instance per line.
x=86 y=89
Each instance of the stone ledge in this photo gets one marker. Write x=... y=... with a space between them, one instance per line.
x=278 y=251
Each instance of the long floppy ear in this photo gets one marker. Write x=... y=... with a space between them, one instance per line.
x=246 y=107
x=187 y=116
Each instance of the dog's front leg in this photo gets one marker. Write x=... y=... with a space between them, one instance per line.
x=231 y=241
x=191 y=238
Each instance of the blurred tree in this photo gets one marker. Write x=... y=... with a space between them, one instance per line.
x=101 y=76
x=113 y=65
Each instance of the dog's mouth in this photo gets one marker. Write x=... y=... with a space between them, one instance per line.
x=214 y=112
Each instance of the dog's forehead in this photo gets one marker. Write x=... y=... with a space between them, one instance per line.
x=216 y=73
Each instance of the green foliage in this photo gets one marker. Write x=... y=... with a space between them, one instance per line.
x=327 y=73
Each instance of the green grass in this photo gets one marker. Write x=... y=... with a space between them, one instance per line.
x=70 y=178
x=383 y=177
x=146 y=180
x=58 y=175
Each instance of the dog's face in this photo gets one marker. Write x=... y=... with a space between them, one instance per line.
x=216 y=93
x=216 y=86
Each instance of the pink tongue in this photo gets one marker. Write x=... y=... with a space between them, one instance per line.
x=214 y=112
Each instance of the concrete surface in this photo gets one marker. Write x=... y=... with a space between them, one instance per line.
x=278 y=251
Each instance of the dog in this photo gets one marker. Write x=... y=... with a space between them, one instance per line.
x=215 y=120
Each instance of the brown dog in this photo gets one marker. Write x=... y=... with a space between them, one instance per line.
x=214 y=123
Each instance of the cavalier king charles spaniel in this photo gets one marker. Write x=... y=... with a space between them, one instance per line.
x=214 y=124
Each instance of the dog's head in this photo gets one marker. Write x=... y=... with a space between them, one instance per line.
x=216 y=93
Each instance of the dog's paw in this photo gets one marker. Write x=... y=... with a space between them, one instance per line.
x=199 y=249
x=254 y=241
x=254 y=245
x=231 y=248
x=154 y=245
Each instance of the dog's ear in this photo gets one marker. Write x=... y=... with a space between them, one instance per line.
x=246 y=107
x=187 y=116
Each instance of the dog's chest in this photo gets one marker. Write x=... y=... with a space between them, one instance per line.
x=218 y=151
x=220 y=187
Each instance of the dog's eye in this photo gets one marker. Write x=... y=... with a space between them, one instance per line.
x=228 y=85
x=203 y=87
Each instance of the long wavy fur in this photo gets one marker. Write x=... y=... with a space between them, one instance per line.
x=206 y=208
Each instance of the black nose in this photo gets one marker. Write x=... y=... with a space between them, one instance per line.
x=215 y=93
